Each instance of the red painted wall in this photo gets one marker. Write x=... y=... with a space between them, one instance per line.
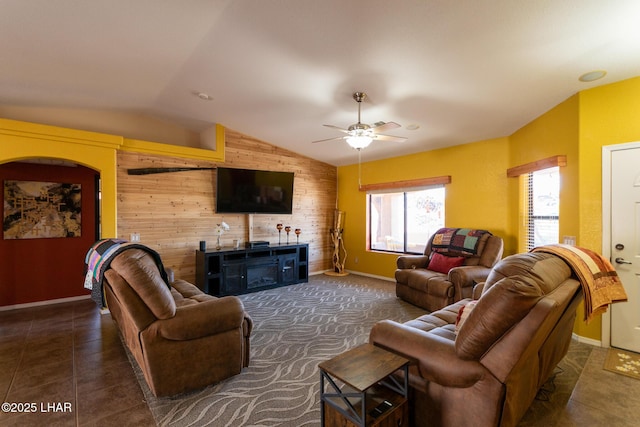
x=34 y=270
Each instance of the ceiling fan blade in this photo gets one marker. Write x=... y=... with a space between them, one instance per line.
x=330 y=139
x=337 y=128
x=362 y=129
x=390 y=138
x=385 y=126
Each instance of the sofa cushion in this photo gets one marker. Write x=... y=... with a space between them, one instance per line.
x=500 y=307
x=419 y=278
x=442 y=263
x=138 y=268
x=440 y=322
x=185 y=293
x=463 y=314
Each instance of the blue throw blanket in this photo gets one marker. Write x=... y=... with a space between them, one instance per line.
x=99 y=258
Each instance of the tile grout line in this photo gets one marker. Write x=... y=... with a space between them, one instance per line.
x=19 y=364
x=74 y=368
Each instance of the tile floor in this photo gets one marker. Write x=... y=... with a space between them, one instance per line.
x=602 y=398
x=584 y=394
x=67 y=362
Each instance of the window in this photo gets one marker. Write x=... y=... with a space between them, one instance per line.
x=403 y=221
x=542 y=190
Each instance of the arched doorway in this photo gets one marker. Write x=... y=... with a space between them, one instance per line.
x=95 y=154
x=49 y=222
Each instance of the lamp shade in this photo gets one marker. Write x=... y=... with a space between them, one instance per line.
x=359 y=141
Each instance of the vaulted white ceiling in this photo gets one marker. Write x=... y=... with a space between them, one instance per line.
x=278 y=70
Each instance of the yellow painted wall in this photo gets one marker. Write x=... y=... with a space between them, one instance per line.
x=477 y=196
x=556 y=133
x=22 y=140
x=553 y=133
x=609 y=115
x=483 y=197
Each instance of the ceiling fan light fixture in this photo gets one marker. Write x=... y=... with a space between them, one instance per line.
x=359 y=141
x=360 y=135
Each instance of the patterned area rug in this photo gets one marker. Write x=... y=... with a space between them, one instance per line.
x=623 y=362
x=295 y=328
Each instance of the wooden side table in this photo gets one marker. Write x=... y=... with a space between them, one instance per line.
x=357 y=389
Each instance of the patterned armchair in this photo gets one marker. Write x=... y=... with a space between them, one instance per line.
x=454 y=260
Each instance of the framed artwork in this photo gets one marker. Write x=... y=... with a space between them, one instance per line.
x=41 y=210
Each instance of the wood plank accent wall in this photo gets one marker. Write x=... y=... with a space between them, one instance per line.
x=174 y=211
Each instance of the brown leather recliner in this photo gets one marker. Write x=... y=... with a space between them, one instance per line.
x=490 y=370
x=182 y=338
x=433 y=290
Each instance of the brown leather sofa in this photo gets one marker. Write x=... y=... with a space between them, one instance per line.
x=181 y=338
x=432 y=290
x=490 y=370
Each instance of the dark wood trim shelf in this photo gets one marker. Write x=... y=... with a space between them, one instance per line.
x=412 y=183
x=549 y=162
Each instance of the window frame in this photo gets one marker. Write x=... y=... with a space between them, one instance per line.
x=405 y=218
x=520 y=172
x=530 y=217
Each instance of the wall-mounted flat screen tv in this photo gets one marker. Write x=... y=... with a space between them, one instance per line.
x=253 y=191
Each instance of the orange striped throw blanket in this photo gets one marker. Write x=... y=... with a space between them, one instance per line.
x=600 y=282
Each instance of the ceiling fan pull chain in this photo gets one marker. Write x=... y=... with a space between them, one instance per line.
x=359 y=168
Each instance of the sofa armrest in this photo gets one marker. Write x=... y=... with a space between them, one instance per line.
x=435 y=356
x=171 y=275
x=477 y=290
x=206 y=318
x=465 y=277
x=412 y=261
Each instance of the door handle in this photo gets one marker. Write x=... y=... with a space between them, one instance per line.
x=622 y=261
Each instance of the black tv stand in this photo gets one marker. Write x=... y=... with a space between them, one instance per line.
x=239 y=271
x=256 y=244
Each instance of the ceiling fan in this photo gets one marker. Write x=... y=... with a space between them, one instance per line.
x=360 y=135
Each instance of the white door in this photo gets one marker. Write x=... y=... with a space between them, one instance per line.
x=625 y=246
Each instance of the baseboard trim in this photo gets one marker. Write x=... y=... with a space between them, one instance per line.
x=359 y=273
x=373 y=276
x=41 y=303
x=317 y=273
x=585 y=340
